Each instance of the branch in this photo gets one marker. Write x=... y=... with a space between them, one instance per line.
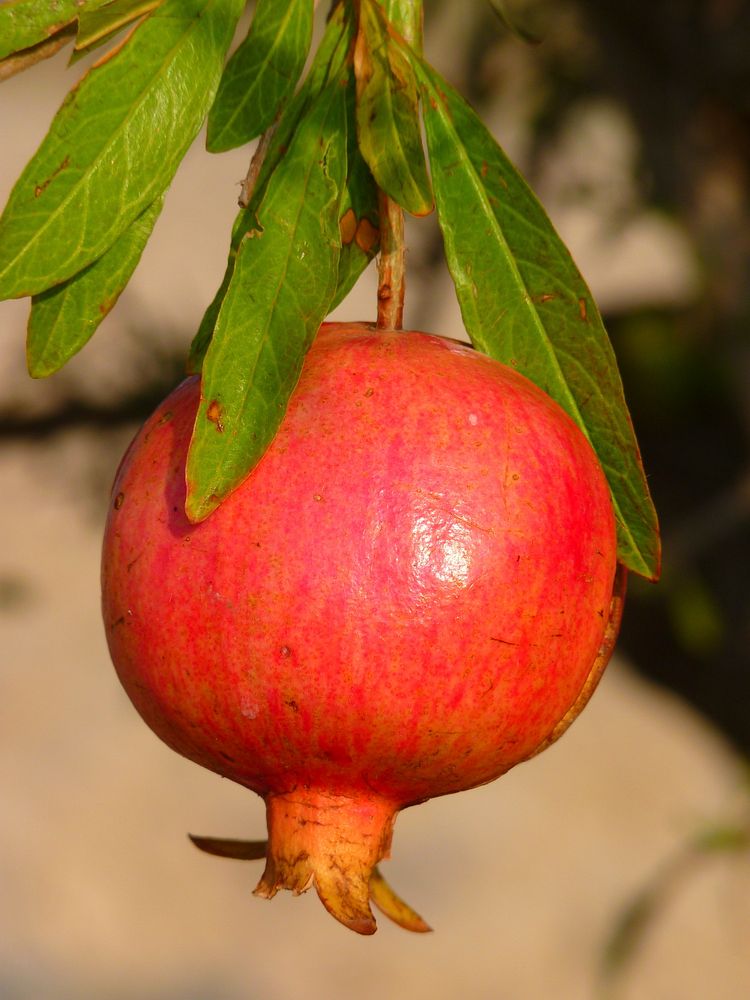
x=392 y=264
x=22 y=60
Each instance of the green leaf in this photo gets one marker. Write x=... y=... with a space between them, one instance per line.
x=114 y=145
x=283 y=281
x=262 y=73
x=24 y=23
x=205 y=332
x=329 y=60
x=407 y=17
x=64 y=318
x=359 y=223
x=388 y=124
x=524 y=302
x=97 y=26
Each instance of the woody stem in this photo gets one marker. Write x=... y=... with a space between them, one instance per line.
x=392 y=264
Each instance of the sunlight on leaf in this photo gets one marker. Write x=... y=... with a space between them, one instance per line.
x=262 y=73
x=104 y=161
x=280 y=291
x=524 y=302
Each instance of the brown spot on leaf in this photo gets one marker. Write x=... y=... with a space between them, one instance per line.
x=582 y=309
x=41 y=188
x=366 y=236
x=107 y=304
x=348 y=227
x=214 y=415
x=547 y=297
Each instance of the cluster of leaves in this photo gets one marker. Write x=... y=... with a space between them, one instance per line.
x=80 y=214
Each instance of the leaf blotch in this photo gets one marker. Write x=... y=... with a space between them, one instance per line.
x=366 y=236
x=214 y=415
x=41 y=188
x=348 y=226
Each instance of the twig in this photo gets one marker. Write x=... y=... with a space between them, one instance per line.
x=248 y=185
x=22 y=60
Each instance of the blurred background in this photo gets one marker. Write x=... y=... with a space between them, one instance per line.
x=617 y=864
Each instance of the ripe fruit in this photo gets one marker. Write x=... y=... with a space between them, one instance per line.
x=412 y=592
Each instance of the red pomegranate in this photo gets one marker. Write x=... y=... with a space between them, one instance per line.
x=413 y=591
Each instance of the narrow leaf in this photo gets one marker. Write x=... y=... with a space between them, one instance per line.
x=24 y=23
x=99 y=25
x=388 y=124
x=359 y=222
x=329 y=60
x=524 y=302
x=407 y=17
x=283 y=281
x=360 y=235
x=64 y=318
x=114 y=145
x=262 y=73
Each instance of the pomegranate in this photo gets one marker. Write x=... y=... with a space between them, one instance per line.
x=414 y=590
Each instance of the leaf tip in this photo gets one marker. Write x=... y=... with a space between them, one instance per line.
x=198 y=506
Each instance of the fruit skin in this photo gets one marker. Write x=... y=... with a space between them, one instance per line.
x=404 y=599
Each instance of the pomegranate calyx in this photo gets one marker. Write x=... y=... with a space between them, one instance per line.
x=381 y=894
x=393 y=906
x=223 y=847
x=332 y=842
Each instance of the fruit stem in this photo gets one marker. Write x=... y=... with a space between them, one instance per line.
x=406 y=17
x=392 y=264
x=332 y=842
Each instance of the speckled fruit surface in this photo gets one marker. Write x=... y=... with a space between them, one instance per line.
x=406 y=597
